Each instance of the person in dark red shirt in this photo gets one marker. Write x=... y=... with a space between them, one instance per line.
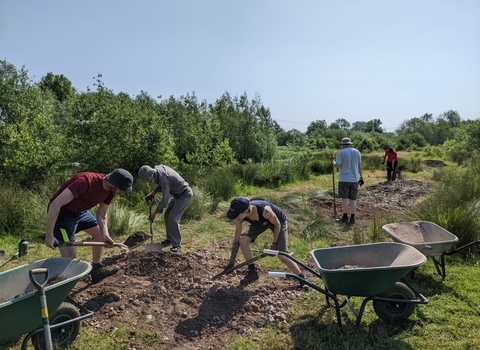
x=68 y=213
x=392 y=163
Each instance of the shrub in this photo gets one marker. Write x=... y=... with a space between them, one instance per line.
x=220 y=184
x=23 y=212
x=413 y=165
x=197 y=206
x=454 y=205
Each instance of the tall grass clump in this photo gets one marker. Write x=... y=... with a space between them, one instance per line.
x=23 y=212
x=219 y=183
x=413 y=165
x=123 y=220
x=455 y=205
x=371 y=162
x=198 y=206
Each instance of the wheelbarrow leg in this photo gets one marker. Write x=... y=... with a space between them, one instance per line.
x=439 y=264
x=43 y=303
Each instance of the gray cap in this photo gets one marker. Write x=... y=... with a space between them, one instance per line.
x=145 y=172
x=121 y=179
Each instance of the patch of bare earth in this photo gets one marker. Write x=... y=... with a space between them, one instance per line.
x=382 y=200
x=171 y=294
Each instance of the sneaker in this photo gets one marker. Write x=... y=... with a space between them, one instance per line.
x=166 y=243
x=175 y=249
x=252 y=268
x=352 y=220
x=100 y=271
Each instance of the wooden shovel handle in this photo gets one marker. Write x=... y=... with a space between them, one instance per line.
x=92 y=244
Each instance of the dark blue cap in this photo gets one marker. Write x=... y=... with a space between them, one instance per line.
x=237 y=206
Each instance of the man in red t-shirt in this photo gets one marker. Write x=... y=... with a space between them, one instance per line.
x=392 y=162
x=68 y=213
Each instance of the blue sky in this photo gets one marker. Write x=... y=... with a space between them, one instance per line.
x=307 y=60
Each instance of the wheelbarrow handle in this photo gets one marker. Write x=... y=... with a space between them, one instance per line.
x=277 y=274
x=38 y=271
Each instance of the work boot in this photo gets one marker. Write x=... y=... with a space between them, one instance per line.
x=345 y=219
x=166 y=243
x=252 y=268
x=352 y=219
x=100 y=271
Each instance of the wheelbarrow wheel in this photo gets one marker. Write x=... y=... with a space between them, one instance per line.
x=395 y=312
x=62 y=337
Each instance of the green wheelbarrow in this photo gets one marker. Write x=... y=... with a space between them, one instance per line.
x=20 y=305
x=373 y=271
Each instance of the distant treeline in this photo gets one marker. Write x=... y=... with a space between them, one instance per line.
x=47 y=126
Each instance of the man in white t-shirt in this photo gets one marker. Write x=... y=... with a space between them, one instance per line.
x=349 y=163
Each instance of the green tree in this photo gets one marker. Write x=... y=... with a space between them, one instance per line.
x=343 y=124
x=111 y=131
x=316 y=128
x=248 y=127
x=30 y=141
x=59 y=85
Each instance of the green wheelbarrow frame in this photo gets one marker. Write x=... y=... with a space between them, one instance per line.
x=19 y=301
x=372 y=271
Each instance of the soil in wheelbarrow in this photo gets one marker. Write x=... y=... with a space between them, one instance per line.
x=171 y=295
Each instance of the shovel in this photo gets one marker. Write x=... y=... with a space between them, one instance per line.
x=91 y=244
x=43 y=303
x=246 y=262
x=152 y=247
x=334 y=199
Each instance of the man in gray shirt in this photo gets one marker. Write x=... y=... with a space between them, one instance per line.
x=349 y=163
x=169 y=182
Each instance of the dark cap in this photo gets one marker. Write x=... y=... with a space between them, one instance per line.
x=121 y=179
x=237 y=206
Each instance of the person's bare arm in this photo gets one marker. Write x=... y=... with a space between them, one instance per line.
x=52 y=215
x=270 y=216
x=102 y=220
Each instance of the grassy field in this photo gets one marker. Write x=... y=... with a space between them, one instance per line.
x=449 y=321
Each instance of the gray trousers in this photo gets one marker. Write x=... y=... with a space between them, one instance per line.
x=173 y=215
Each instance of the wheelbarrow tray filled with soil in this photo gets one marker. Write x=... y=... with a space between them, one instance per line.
x=367 y=269
x=19 y=301
x=426 y=237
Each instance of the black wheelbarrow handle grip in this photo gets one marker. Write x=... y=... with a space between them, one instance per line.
x=39 y=271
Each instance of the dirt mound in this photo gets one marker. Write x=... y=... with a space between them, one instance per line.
x=168 y=301
x=172 y=295
x=434 y=163
x=382 y=200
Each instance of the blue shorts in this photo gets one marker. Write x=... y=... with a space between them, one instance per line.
x=68 y=224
